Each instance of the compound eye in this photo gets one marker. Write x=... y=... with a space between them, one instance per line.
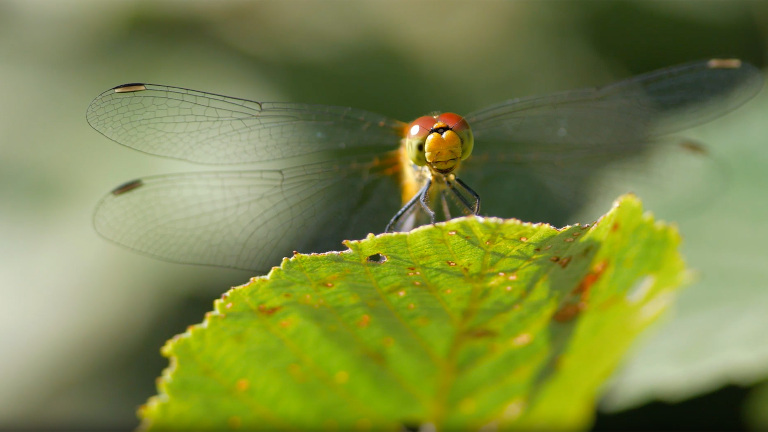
x=418 y=131
x=460 y=126
x=454 y=121
x=420 y=127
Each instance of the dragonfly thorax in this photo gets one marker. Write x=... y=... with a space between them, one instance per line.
x=439 y=142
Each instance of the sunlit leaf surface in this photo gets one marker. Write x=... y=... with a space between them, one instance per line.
x=471 y=323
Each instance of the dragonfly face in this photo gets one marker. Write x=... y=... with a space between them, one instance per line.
x=439 y=142
x=320 y=174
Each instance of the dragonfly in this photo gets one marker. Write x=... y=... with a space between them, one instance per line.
x=315 y=174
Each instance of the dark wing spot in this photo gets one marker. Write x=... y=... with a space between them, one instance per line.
x=127 y=187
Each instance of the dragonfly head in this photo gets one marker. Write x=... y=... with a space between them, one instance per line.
x=439 y=142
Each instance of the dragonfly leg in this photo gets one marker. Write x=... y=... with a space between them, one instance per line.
x=444 y=202
x=424 y=200
x=408 y=207
x=475 y=208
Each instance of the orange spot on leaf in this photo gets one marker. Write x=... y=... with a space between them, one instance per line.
x=242 y=384
x=480 y=333
x=268 y=310
x=569 y=311
x=364 y=321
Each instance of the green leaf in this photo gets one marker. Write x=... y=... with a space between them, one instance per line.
x=756 y=408
x=717 y=334
x=471 y=323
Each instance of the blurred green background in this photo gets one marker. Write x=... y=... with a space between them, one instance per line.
x=84 y=320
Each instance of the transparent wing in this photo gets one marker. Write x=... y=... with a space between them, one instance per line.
x=249 y=219
x=538 y=153
x=656 y=103
x=213 y=129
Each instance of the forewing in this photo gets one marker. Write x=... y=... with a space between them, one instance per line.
x=249 y=219
x=653 y=104
x=214 y=129
x=538 y=153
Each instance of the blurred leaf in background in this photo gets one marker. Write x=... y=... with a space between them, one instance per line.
x=89 y=354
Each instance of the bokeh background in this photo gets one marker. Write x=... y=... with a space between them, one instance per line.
x=83 y=320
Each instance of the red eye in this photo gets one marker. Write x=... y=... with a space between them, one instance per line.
x=420 y=127
x=454 y=121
